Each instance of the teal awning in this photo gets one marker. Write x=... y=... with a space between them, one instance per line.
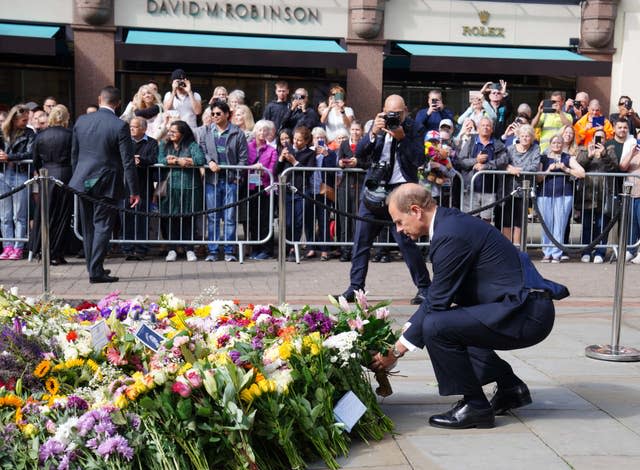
x=223 y=41
x=32 y=39
x=28 y=30
x=224 y=49
x=507 y=60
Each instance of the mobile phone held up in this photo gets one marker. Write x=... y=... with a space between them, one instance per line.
x=638 y=144
x=547 y=107
x=321 y=143
x=597 y=121
x=597 y=140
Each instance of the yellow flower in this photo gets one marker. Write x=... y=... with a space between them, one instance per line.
x=248 y=313
x=314 y=350
x=131 y=392
x=92 y=365
x=120 y=401
x=246 y=396
x=203 y=312
x=162 y=313
x=11 y=400
x=285 y=350
x=42 y=369
x=29 y=430
x=255 y=390
x=52 y=385
x=18 y=418
x=184 y=368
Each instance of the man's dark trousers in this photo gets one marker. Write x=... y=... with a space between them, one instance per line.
x=366 y=232
x=97 y=224
x=461 y=347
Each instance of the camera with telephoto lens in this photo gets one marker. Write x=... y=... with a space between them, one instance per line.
x=182 y=84
x=379 y=174
x=392 y=120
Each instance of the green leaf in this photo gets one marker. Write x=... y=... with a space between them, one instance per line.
x=148 y=403
x=184 y=409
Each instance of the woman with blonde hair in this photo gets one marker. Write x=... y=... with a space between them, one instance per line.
x=146 y=104
x=15 y=147
x=569 y=144
x=52 y=150
x=243 y=118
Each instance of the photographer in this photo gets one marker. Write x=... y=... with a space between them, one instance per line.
x=435 y=112
x=393 y=150
x=578 y=106
x=182 y=99
x=550 y=119
x=300 y=114
x=626 y=113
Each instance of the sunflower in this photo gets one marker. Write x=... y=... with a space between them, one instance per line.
x=42 y=369
x=52 y=385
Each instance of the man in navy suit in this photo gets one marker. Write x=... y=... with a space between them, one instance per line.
x=396 y=142
x=102 y=157
x=501 y=302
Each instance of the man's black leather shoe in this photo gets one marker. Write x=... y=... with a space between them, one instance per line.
x=463 y=416
x=103 y=279
x=349 y=295
x=419 y=298
x=514 y=397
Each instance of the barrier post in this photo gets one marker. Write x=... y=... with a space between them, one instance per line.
x=613 y=351
x=282 y=234
x=526 y=187
x=44 y=228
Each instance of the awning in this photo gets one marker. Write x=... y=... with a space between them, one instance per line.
x=502 y=60
x=28 y=39
x=162 y=46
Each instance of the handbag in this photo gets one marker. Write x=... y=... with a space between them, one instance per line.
x=327 y=191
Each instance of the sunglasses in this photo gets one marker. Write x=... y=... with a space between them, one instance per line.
x=217 y=113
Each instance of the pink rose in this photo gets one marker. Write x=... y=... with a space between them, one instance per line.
x=181 y=388
x=194 y=378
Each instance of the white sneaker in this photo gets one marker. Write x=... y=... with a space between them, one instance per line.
x=191 y=256
x=172 y=255
x=597 y=259
x=628 y=256
x=636 y=260
x=585 y=259
x=564 y=258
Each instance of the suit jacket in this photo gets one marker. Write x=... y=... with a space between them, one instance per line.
x=102 y=156
x=475 y=266
x=409 y=151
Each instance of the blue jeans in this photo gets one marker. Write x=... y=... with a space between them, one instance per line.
x=13 y=209
x=592 y=224
x=555 y=213
x=634 y=228
x=218 y=195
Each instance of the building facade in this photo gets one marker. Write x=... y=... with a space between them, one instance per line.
x=71 y=48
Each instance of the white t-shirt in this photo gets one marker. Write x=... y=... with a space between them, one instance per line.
x=182 y=104
x=335 y=122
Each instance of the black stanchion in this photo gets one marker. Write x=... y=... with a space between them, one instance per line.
x=43 y=180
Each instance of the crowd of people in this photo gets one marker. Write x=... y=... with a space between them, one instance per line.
x=217 y=151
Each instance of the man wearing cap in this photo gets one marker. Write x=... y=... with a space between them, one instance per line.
x=431 y=116
x=183 y=99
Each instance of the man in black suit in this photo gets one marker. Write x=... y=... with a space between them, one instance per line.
x=394 y=146
x=502 y=303
x=102 y=157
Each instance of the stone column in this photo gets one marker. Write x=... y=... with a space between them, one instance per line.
x=596 y=41
x=94 y=50
x=365 y=38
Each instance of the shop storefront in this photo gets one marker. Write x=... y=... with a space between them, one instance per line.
x=373 y=47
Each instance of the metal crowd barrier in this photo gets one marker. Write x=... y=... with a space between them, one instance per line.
x=13 y=174
x=167 y=190
x=593 y=200
x=323 y=229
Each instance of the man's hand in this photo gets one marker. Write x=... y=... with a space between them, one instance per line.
x=382 y=363
x=378 y=124
x=482 y=158
x=3 y=156
x=397 y=133
x=134 y=200
x=214 y=167
x=187 y=86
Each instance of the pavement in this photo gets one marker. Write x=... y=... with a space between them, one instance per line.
x=585 y=413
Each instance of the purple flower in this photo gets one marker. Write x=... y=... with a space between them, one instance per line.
x=116 y=444
x=256 y=342
x=134 y=420
x=105 y=312
x=235 y=357
x=122 y=312
x=78 y=403
x=92 y=443
x=317 y=321
x=49 y=449
x=105 y=426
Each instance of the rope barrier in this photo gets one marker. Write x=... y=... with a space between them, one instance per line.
x=18 y=188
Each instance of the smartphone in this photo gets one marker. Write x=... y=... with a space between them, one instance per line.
x=638 y=144
x=434 y=101
x=547 y=107
x=473 y=94
x=597 y=139
x=321 y=143
x=597 y=121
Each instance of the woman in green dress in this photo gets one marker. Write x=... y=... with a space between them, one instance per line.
x=182 y=154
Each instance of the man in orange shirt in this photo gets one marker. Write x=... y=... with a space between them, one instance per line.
x=585 y=128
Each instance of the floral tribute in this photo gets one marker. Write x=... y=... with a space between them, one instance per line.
x=223 y=385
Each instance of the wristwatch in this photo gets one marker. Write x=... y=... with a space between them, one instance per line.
x=395 y=353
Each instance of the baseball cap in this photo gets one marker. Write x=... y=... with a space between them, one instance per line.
x=432 y=135
x=446 y=122
x=178 y=74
